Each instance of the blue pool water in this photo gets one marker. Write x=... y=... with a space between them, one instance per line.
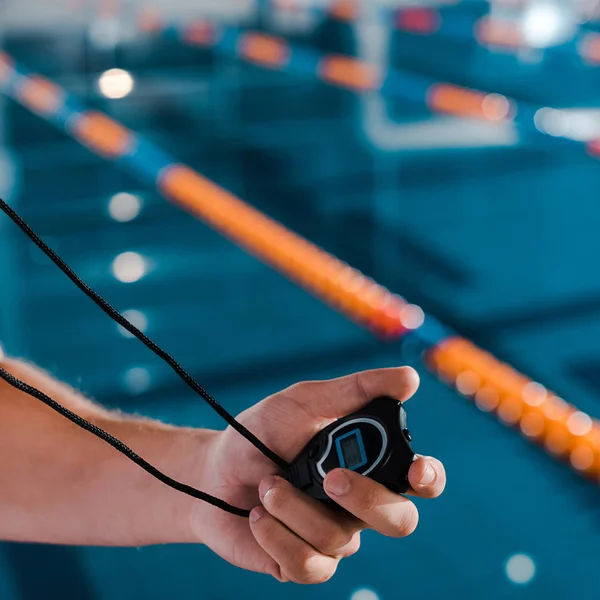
x=499 y=241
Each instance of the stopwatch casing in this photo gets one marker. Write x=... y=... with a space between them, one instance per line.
x=374 y=441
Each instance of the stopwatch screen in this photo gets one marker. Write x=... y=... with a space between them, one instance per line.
x=351 y=450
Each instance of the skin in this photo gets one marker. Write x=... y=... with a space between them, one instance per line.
x=59 y=484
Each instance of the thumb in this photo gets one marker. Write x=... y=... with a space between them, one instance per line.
x=337 y=398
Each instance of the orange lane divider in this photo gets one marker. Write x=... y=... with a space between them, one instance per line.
x=327 y=277
x=540 y=415
x=41 y=95
x=559 y=428
x=101 y=134
x=264 y=50
x=488 y=31
x=350 y=73
x=456 y=100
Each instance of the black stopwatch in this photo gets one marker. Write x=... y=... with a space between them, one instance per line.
x=374 y=441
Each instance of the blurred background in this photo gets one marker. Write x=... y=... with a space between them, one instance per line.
x=490 y=225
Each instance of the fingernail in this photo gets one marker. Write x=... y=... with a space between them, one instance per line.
x=256 y=513
x=265 y=485
x=428 y=475
x=338 y=483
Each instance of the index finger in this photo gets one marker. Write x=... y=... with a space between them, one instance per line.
x=381 y=509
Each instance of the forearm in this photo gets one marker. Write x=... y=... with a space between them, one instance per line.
x=60 y=484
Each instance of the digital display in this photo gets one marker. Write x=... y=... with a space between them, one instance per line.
x=351 y=450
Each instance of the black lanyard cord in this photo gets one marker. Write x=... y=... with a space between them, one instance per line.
x=120 y=446
x=116 y=316
x=183 y=374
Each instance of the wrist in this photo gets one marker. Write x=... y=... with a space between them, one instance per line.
x=163 y=513
x=189 y=461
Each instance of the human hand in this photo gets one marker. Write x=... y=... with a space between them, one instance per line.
x=290 y=535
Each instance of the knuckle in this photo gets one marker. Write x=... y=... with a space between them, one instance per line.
x=326 y=574
x=303 y=561
x=312 y=568
x=320 y=571
x=297 y=389
x=304 y=568
x=352 y=547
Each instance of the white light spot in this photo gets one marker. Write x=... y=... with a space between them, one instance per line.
x=115 y=83
x=129 y=267
x=468 y=382
x=137 y=319
x=552 y=121
x=579 y=423
x=124 y=207
x=520 y=569
x=583 y=125
x=534 y=393
x=495 y=107
x=412 y=316
x=556 y=408
x=137 y=380
x=364 y=594
x=539 y=119
x=546 y=24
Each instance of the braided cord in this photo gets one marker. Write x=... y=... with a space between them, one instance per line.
x=117 y=317
x=119 y=446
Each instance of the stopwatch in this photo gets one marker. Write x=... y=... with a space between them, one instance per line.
x=373 y=441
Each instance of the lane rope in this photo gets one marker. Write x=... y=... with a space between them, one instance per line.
x=558 y=427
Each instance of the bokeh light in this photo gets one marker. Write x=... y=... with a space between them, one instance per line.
x=137 y=318
x=129 y=267
x=124 y=207
x=115 y=83
x=520 y=569
x=546 y=24
x=137 y=380
x=364 y=594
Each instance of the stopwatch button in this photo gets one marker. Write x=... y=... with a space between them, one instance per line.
x=407 y=435
x=402 y=418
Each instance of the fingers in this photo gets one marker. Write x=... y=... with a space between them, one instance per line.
x=339 y=397
x=389 y=513
x=306 y=539
x=298 y=561
x=427 y=477
x=333 y=534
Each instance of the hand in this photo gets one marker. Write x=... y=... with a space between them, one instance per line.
x=290 y=535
